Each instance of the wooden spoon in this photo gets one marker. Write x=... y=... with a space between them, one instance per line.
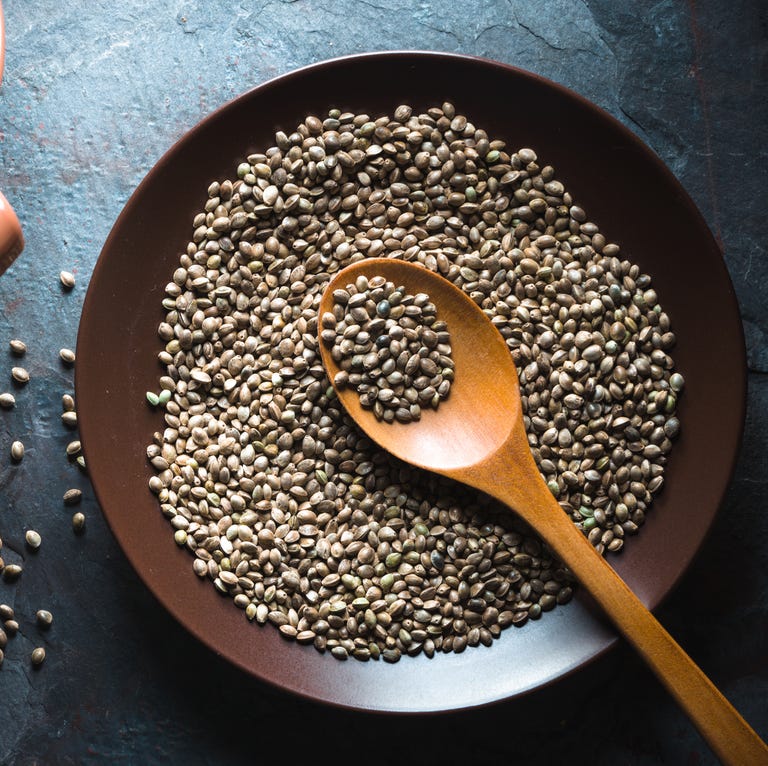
x=477 y=436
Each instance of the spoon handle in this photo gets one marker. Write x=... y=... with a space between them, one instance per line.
x=727 y=733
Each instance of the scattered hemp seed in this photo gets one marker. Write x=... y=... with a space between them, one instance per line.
x=20 y=375
x=6 y=612
x=160 y=399
x=33 y=539
x=11 y=626
x=43 y=618
x=67 y=403
x=38 y=656
x=80 y=460
x=7 y=400
x=67 y=279
x=69 y=418
x=17 y=451
x=67 y=355
x=73 y=496
x=18 y=347
x=73 y=448
x=3 y=639
x=12 y=572
x=78 y=522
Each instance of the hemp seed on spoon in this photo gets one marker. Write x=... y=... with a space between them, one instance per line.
x=391 y=348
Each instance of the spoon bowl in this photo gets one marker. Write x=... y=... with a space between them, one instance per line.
x=477 y=436
x=476 y=348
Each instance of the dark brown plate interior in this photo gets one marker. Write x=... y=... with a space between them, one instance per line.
x=623 y=186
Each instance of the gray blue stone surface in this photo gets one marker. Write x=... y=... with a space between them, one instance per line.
x=93 y=94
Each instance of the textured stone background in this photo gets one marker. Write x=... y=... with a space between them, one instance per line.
x=93 y=94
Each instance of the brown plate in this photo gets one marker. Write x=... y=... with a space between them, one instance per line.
x=624 y=187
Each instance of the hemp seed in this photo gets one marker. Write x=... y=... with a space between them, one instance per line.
x=67 y=279
x=20 y=375
x=11 y=627
x=73 y=448
x=7 y=400
x=73 y=496
x=43 y=618
x=12 y=572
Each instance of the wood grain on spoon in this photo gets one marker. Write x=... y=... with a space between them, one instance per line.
x=477 y=436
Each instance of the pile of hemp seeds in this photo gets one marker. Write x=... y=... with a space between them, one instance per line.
x=284 y=504
x=391 y=348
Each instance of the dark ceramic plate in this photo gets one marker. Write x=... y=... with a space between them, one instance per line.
x=624 y=187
